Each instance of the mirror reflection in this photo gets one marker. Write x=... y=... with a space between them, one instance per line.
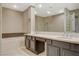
x=72 y=20
x=57 y=17
x=50 y=24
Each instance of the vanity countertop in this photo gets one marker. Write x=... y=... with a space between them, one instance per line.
x=58 y=38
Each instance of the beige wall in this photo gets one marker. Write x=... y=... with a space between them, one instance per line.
x=55 y=23
x=27 y=21
x=50 y=23
x=12 y=21
x=0 y=28
x=16 y=22
x=39 y=23
x=0 y=22
x=32 y=16
x=25 y=14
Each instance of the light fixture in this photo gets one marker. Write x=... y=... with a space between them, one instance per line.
x=14 y=6
x=61 y=11
x=35 y=12
x=40 y=5
x=48 y=12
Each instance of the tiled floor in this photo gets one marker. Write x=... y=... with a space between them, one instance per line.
x=15 y=47
x=32 y=54
x=19 y=52
x=13 y=52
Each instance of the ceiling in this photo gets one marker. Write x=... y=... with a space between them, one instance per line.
x=16 y=6
x=43 y=9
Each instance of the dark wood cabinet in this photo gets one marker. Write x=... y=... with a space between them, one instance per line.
x=40 y=46
x=52 y=51
x=58 y=48
x=54 y=47
x=30 y=43
x=65 y=52
x=34 y=44
x=75 y=47
x=27 y=42
x=61 y=44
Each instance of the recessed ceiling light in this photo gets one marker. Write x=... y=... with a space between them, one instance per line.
x=40 y=5
x=48 y=12
x=14 y=6
x=35 y=12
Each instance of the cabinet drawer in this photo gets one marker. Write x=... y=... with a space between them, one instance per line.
x=40 y=39
x=32 y=45
x=75 y=47
x=28 y=37
x=61 y=44
x=27 y=42
x=65 y=52
x=52 y=51
x=49 y=42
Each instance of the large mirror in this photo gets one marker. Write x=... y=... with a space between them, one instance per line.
x=49 y=18
x=57 y=17
x=51 y=23
x=72 y=20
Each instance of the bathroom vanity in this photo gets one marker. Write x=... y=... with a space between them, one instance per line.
x=56 y=45
x=62 y=48
x=35 y=44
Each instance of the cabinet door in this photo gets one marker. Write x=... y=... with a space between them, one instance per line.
x=27 y=42
x=65 y=52
x=52 y=51
x=32 y=44
x=75 y=47
x=61 y=44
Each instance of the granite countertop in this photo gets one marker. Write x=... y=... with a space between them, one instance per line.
x=58 y=38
